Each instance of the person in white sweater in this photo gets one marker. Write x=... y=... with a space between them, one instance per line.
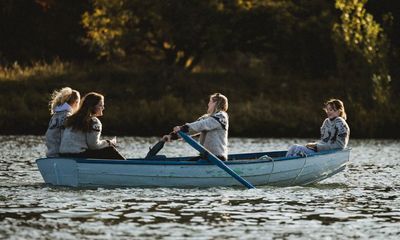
x=335 y=132
x=213 y=127
x=82 y=135
x=63 y=103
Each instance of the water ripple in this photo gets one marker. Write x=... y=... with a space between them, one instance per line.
x=362 y=202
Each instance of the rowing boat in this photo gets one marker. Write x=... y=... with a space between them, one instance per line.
x=260 y=168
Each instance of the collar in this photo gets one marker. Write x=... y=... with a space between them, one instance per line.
x=63 y=107
x=332 y=119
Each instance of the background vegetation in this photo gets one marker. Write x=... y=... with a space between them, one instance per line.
x=157 y=62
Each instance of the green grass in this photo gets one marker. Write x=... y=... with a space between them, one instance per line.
x=15 y=72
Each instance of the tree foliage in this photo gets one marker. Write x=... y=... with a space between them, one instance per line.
x=362 y=44
x=271 y=57
x=183 y=34
x=353 y=40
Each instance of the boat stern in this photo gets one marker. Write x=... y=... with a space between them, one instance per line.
x=58 y=171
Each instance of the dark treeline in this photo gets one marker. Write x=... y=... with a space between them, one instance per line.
x=156 y=61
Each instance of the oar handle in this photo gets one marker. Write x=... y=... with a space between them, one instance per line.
x=214 y=159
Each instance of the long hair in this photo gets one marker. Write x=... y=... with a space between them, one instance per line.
x=221 y=102
x=337 y=105
x=64 y=95
x=81 y=120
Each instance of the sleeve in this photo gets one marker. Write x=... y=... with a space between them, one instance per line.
x=93 y=136
x=206 y=124
x=324 y=131
x=342 y=133
x=322 y=144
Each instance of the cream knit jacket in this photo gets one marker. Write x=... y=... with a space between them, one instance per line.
x=213 y=131
x=74 y=141
x=335 y=134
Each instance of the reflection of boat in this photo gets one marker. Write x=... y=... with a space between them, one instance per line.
x=160 y=171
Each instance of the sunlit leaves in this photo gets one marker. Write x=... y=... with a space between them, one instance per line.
x=364 y=36
x=105 y=27
x=181 y=33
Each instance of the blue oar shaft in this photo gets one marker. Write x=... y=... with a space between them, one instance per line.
x=214 y=159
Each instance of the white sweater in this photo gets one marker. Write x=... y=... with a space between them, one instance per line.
x=56 y=128
x=74 y=141
x=213 y=131
x=334 y=134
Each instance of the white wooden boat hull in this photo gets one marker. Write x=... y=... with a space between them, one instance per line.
x=181 y=172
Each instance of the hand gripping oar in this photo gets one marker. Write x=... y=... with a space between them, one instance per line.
x=214 y=159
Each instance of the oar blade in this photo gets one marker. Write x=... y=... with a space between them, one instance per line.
x=155 y=149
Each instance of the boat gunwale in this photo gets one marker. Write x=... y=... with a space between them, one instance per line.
x=200 y=162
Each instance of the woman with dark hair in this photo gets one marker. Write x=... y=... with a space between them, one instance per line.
x=81 y=137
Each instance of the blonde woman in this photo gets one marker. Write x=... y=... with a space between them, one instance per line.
x=334 y=132
x=63 y=103
x=213 y=127
x=82 y=135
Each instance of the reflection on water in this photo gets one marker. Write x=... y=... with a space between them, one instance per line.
x=362 y=202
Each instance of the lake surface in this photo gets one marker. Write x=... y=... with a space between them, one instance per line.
x=360 y=203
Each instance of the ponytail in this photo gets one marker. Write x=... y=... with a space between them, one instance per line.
x=64 y=95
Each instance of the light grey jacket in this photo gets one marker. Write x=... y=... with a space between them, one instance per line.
x=334 y=134
x=213 y=131
x=75 y=141
x=55 y=130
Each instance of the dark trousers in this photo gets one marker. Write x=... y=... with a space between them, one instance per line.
x=222 y=158
x=104 y=153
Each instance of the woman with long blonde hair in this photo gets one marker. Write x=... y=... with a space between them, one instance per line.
x=212 y=126
x=63 y=103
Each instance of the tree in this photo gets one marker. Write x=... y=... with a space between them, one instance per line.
x=362 y=49
x=172 y=32
x=387 y=13
x=290 y=34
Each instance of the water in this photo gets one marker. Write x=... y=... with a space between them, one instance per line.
x=362 y=202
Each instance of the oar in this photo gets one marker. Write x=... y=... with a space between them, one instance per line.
x=214 y=159
x=155 y=149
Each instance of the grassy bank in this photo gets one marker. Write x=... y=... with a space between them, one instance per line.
x=149 y=102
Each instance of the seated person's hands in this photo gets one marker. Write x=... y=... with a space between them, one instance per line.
x=166 y=138
x=176 y=129
x=113 y=141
